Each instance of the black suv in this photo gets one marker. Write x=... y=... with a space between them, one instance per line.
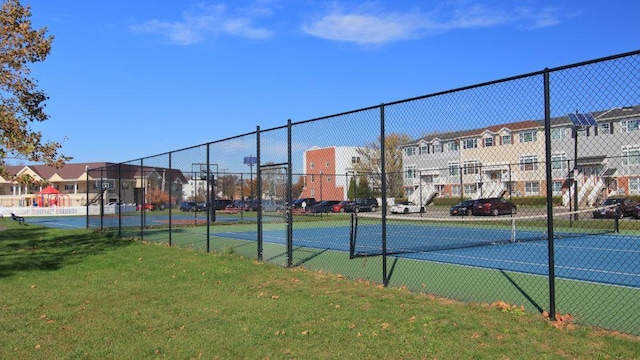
x=359 y=205
x=309 y=202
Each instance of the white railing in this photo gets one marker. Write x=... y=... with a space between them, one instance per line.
x=593 y=195
x=65 y=211
x=585 y=187
x=423 y=193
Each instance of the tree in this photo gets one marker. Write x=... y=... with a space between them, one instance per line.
x=157 y=197
x=21 y=101
x=370 y=164
x=227 y=185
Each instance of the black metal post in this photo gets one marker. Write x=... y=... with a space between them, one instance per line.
x=259 y=190
x=420 y=187
x=289 y=198
x=86 y=170
x=385 y=278
x=170 y=201
x=575 y=173
x=101 y=198
x=209 y=203
x=550 y=236
x=143 y=195
x=119 y=204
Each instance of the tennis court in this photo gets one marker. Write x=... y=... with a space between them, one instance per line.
x=606 y=258
x=133 y=220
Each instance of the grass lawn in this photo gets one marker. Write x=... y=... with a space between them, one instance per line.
x=79 y=294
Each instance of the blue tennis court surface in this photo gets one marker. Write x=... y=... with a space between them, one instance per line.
x=603 y=258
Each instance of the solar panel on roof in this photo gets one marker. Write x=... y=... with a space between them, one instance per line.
x=582 y=119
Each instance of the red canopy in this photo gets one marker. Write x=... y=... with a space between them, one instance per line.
x=50 y=190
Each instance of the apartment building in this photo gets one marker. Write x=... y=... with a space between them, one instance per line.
x=114 y=183
x=326 y=171
x=510 y=158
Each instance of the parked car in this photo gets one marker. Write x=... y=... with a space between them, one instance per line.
x=463 y=208
x=188 y=206
x=322 y=207
x=406 y=207
x=615 y=207
x=202 y=206
x=636 y=211
x=221 y=204
x=493 y=206
x=308 y=202
x=359 y=205
x=339 y=207
x=145 y=207
x=239 y=204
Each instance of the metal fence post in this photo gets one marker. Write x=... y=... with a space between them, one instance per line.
x=289 y=198
x=549 y=179
x=208 y=200
x=385 y=279
x=170 y=200
x=259 y=193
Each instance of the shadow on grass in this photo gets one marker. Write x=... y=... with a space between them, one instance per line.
x=522 y=291
x=40 y=248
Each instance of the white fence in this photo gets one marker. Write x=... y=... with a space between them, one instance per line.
x=65 y=211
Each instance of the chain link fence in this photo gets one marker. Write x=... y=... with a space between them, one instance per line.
x=521 y=190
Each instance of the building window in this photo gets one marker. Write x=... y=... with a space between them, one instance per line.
x=69 y=187
x=470 y=189
x=532 y=188
x=455 y=190
x=326 y=163
x=454 y=146
x=582 y=131
x=313 y=178
x=506 y=139
x=630 y=125
x=559 y=161
x=312 y=165
x=410 y=151
x=410 y=173
x=528 y=162
x=469 y=143
x=471 y=167
x=631 y=155
x=437 y=148
x=634 y=186
x=355 y=159
x=424 y=149
x=604 y=128
x=454 y=168
x=528 y=136
x=558 y=134
x=488 y=142
x=557 y=188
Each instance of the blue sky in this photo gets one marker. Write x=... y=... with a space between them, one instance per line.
x=153 y=76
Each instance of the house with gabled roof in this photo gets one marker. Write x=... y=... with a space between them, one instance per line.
x=80 y=184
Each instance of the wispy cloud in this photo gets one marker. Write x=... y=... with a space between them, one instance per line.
x=206 y=21
x=375 y=26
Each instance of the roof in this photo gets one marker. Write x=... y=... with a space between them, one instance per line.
x=613 y=114
x=76 y=171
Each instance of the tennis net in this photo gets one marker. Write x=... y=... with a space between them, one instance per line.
x=421 y=234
